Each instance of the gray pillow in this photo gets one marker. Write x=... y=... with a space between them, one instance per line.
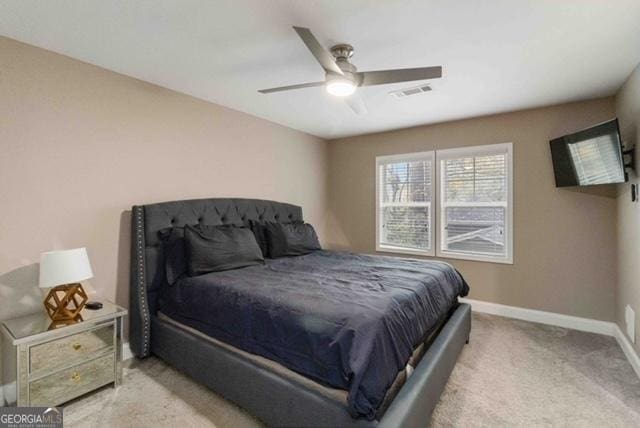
x=291 y=239
x=175 y=260
x=260 y=232
x=218 y=248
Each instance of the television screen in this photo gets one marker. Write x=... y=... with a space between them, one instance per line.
x=588 y=157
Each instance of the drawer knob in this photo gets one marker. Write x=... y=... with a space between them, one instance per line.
x=75 y=377
x=77 y=346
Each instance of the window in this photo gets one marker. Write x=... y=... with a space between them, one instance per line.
x=475 y=208
x=404 y=212
x=474 y=203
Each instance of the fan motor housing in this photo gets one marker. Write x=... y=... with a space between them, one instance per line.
x=342 y=53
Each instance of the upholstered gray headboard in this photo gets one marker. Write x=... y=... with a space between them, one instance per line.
x=147 y=260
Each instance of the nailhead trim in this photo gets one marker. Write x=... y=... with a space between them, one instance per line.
x=141 y=283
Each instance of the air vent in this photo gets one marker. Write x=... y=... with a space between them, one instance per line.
x=401 y=93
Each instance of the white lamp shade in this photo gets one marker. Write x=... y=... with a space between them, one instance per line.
x=64 y=267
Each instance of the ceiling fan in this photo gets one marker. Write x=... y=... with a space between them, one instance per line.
x=342 y=78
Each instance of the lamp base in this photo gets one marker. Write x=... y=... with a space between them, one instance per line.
x=64 y=303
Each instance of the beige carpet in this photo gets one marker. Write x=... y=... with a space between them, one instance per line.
x=513 y=373
x=516 y=373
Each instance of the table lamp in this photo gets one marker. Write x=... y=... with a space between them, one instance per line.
x=61 y=273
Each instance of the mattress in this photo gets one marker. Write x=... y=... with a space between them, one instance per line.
x=346 y=321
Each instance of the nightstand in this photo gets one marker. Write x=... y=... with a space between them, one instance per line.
x=47 y=366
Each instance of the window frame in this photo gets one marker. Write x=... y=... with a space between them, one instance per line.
x=484 y=150
x=406 y=157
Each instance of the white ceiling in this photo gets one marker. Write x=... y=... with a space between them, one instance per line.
x=497 y=55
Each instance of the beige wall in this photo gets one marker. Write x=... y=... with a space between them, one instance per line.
x=79 y=145
x=564 y=240
x=627 y=104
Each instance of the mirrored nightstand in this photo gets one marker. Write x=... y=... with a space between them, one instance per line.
x=47 y=365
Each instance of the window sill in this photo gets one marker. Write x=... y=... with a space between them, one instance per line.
x=475 y=258
x=400 y=250
x=442 y=255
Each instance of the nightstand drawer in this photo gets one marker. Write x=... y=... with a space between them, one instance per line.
x=67 y=350
x=70 y=383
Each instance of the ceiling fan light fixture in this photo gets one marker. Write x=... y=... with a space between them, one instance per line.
x=341 y=87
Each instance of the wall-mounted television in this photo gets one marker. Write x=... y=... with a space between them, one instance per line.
x=589 y=157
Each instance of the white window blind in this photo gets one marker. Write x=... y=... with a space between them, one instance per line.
x=404 y=211
x=475 y=212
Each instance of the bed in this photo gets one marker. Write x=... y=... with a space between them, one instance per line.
x=327 y=343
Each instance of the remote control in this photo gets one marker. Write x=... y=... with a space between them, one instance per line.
x=93 y=305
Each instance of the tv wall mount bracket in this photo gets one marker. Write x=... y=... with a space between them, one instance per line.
x=631 y=162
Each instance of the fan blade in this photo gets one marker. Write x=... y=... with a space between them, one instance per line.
x=382 y=77
x=357 y=105
x=322 y=56
x=288 y=88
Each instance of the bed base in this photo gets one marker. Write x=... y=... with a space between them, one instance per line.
x=280 y=401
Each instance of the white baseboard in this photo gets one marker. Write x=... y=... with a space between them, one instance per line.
x=542 y=317
x=628 y=349
x=559 y=320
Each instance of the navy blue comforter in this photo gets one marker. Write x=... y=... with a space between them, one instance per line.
x=347 y=320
